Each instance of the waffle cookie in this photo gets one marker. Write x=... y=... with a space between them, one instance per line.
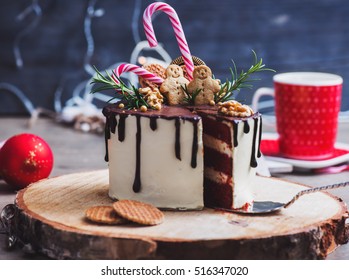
x=104 y=215
x=138 y=212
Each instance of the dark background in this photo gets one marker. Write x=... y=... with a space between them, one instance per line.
x=297 y=35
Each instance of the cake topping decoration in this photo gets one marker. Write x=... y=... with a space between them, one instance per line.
x=177 y=27
x=141 y=72
x=203 y=86
x=153 y=97
x=239 y=81
x=234 y=108
x=130 y=96
x=181 y=83
x=143 y=108
x=172 y=87
x=157 y=70
x=180 y=61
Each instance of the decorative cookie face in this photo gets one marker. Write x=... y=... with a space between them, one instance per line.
x=174 y=71
x=180 y=62
x=202 y=72
x=171 y=88
x=203 y=83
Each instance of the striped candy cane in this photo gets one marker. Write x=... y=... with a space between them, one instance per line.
x=139 y=71
x=177 y=27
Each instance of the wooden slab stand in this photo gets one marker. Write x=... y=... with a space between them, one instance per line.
x=50 y=219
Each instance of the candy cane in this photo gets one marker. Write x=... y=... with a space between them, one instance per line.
x=177 y=27
x=139 y=71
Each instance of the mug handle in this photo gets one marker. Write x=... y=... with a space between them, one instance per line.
x=258 y=94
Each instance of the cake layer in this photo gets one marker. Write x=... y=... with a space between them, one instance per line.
x=156 y=157
x=218 y=130
x=217 y=145
x=217 y=194
x=217 y=160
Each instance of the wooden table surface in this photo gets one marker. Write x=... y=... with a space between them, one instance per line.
x=76 y=151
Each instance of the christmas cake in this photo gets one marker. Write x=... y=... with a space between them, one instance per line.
x=183 y=157
x=180 y=140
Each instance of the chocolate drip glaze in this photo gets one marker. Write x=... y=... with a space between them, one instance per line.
x=259 y=154
x=235 y=126
x=177 y=141
x=253 y=154
x=153 y=123
x=121 y=128
x=107 y=130
x=194 y=150
x=110 y=127
x=168 y=113
x=137 y=180
x=246 y=127
x=113 y=123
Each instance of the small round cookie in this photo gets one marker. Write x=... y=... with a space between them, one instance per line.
x=104 y=215
x=138 y=212
x=180 y=61
x=156 y=69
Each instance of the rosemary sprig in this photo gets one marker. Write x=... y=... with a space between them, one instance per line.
x=129 y=95
x=239 y=81
x=189 y=98
x=107 y=82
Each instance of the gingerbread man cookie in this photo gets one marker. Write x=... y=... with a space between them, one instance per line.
x=204 y=82
x=171 y=88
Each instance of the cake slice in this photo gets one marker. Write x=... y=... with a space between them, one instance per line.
x=231 y=147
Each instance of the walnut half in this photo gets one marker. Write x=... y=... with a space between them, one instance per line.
x=153 y=97
x=234 y=108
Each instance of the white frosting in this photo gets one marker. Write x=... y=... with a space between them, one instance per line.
x=166 y=181
x=243 y=173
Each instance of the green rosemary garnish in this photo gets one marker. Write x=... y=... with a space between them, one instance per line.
x=128 y=94
x=240 y=81
x=189 y=98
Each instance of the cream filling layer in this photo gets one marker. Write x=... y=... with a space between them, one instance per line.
x=217 y=145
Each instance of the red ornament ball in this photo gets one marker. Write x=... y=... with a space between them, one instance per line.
x=24 y=159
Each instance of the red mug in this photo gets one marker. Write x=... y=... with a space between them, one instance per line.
x=307 y=105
